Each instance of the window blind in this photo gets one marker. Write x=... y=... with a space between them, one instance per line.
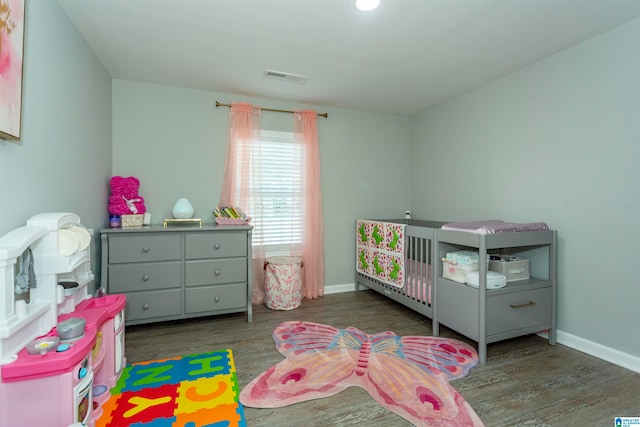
x=282 y=191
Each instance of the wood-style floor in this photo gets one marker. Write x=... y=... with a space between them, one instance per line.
x=525 y=382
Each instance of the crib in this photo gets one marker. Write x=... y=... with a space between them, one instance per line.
x=415 y=290
x=412 y=252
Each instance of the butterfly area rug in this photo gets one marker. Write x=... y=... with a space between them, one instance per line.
x=190 y=391
x=407 y=375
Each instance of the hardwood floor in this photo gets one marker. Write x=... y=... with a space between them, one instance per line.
x=525 y=382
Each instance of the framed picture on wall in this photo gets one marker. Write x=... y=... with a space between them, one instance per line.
x=11 y=60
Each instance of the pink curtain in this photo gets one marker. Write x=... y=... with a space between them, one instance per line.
x=241 y=187
x=305 y=128
x=241 y=182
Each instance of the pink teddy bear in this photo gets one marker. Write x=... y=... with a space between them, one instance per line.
x=124 y=199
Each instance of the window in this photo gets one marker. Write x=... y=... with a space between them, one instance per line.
x=280 y=166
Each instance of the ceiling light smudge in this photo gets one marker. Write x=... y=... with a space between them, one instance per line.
x=367 y=5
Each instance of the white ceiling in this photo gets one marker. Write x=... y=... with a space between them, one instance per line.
x=402 y=58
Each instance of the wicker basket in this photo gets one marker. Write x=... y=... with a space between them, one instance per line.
x=134 y=220
x=232 y=221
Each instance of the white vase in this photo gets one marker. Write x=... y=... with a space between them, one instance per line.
x=182 y=209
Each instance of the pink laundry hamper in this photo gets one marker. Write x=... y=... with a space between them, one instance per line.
x=283 y=282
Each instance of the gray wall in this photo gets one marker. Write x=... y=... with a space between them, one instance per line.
x=558 y=141
x=64 y=158
x=173 y=140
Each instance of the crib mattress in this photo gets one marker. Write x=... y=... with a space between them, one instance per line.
x=418 y=284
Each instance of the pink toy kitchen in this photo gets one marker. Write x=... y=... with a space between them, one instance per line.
x=61 y=348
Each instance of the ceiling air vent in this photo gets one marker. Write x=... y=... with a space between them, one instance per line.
x=289 y=77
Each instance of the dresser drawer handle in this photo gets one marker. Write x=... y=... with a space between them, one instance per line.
x=217 y=246
x=145 y=249
x=217 y=299
x=217 y=272
x=145 y=277
x=522 y=304
x=145 y=307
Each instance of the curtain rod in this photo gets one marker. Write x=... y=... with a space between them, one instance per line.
x=219 y=104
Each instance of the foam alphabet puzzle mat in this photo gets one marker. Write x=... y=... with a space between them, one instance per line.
x=198 y=390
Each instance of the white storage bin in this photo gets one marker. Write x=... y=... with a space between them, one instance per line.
x=495 y=280
x=457 y=272
x=464 y=257
x=458 y=264
x=514 y=268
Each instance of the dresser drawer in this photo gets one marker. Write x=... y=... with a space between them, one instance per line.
x=518 y=310
x=216 y=245
x=144 y=247
x=147 y=305
x=212 y=298
x=144 y=276
x=215 y=271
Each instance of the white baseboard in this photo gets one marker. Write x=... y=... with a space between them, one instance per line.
x=600 y=351
x=337 y=289
x=591 y=348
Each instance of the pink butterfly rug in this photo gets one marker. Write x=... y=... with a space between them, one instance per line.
x=407 y=375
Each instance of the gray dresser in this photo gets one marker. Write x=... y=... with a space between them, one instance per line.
x=178 y=272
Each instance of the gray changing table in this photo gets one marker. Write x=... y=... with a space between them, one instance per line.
x=522 y=307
